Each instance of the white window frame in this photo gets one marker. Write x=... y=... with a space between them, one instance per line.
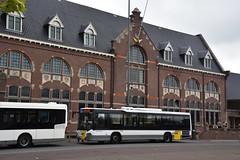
x=88 y=32
x=14 y=15
x=208 y=61
x=57 y=24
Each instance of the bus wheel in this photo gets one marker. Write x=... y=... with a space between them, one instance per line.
x=115 y=138
x=24 y=141
x=167 y=137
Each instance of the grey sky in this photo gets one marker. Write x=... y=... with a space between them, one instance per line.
x=217 y=20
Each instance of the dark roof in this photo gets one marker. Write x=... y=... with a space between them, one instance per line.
x=233 y=87
x=108 y=26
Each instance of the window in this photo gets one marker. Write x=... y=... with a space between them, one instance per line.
x=208 y=61
x=94 y=100
x=55 y=29
x=192 y=84
x=168 y=54
x=25 y=92
x=14 y=59
x=55 y=94
x=99 y=97
x=90 y=96
x=82 y=96
x=171 y=82
x=194 y=108
x=89 y=33
x=45 y=93
x=188 y=59
x=136 y=55
x=136 y=101
x=91 y=70
x=137 y=75
x=89 y=38
x=171 y=105
x=56 y=66
x=65 y=94
x=14 y=21
x=211 y=87
x=212 y=112
x=13 y=91
x=14 y=96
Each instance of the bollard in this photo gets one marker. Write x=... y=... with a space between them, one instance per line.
x=216 y=133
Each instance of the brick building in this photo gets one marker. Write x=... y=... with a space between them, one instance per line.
x=68 y=53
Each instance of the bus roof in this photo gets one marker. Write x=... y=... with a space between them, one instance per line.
x=50 y=105
x=139 y=110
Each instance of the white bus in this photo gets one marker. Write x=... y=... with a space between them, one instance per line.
x=27 y=123
x=127 y=123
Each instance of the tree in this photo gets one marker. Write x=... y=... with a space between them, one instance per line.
x=12 y=6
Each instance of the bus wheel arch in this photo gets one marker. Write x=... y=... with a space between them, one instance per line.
x=116 y=138
x=167 y=137
x=24 y=140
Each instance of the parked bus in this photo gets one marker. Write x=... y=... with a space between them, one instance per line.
x=28 y=123
x=127 y=123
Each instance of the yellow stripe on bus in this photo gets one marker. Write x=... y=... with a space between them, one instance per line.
x=177 y=135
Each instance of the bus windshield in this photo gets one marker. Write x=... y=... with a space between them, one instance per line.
x=85 y=121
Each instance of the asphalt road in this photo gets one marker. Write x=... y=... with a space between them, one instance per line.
x=192 y=150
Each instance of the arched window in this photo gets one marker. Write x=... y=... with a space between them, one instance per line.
x=55 y=94
x=13 y=91
x=99 y=97
x=171 y=82
x=90 y=96
x=82 y=96
x=45 y=93
x=25 y=92
x=15 y=59
x=211 y=87
x=192 y=84
x=56 y=66
x=91 y=70
x=65 y=94
x=136 y=55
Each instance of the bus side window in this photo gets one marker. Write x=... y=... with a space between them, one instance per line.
x=43 y=117
x=101 y=121
x=130 y=121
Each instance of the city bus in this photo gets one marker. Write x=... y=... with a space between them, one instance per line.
x=24 y=124
x=127 y=123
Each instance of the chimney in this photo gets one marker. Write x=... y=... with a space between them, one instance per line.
x=135 y=18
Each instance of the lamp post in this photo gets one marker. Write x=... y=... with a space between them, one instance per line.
x=128 y=57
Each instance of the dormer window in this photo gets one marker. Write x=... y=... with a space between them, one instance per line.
x=167 y=51
x=14 y=21
x=188 y=55
x=89 y=35
x=208 y=62
x=188 y=59
x=89 y=38
x=206 y=58
x=55 y=29
x=168 y=54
